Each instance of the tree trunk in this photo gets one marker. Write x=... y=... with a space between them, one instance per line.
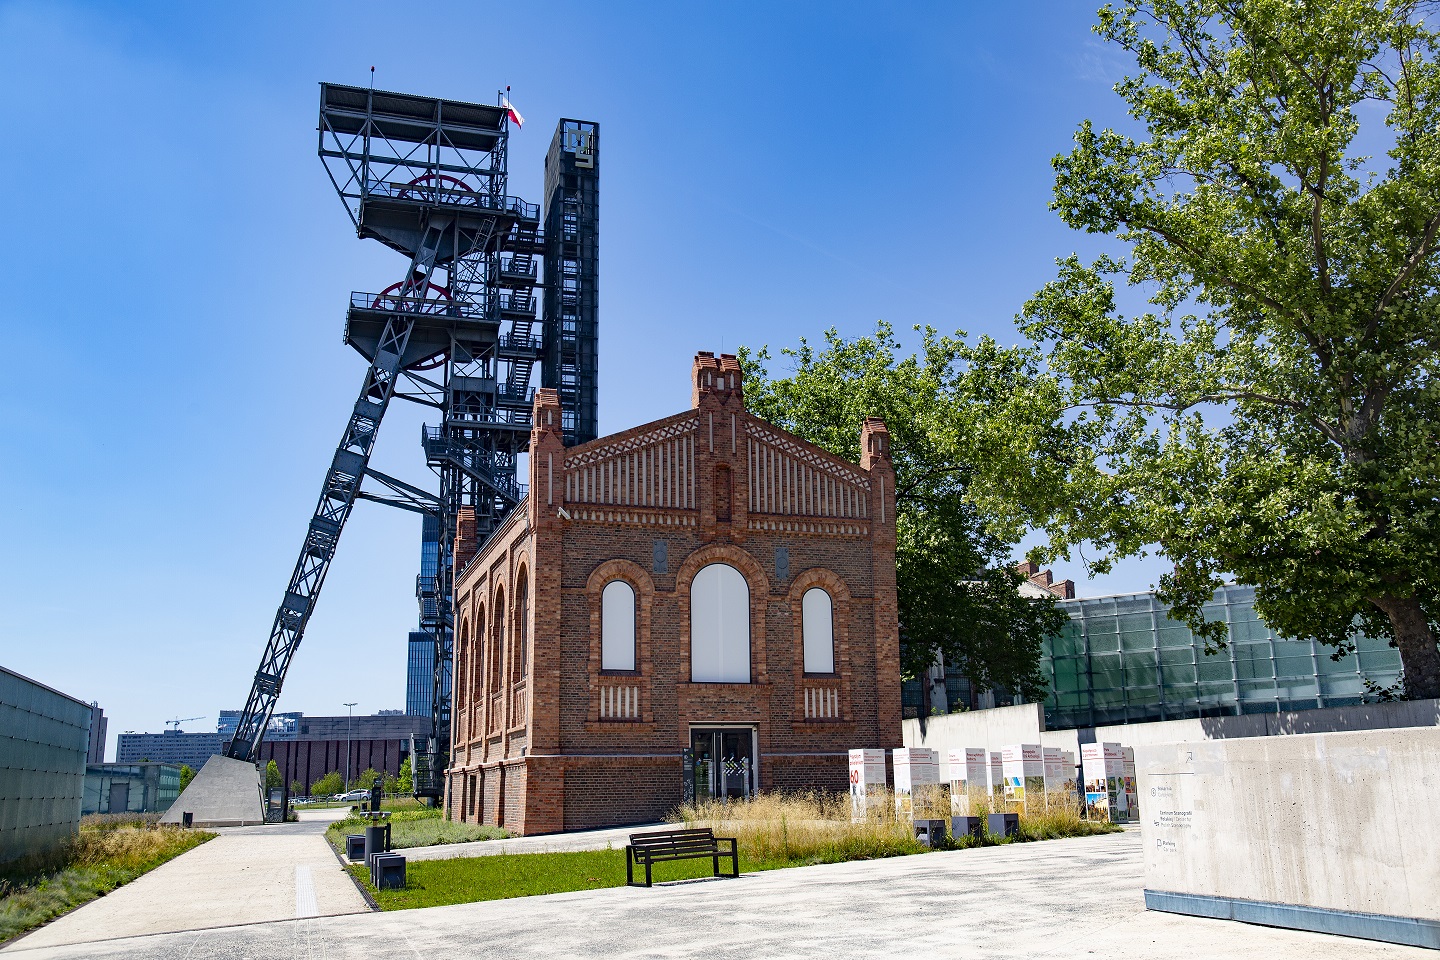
x=1418 y=653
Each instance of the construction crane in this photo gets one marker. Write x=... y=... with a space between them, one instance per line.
x=179 y=720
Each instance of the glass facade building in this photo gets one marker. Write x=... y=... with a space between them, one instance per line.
x=130 y=787
x=420 y=675
x=1123 y=660
x=420 y=652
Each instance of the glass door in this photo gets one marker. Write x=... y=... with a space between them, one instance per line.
x=724 y=763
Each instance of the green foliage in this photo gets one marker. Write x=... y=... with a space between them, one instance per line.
x=297 y=789
x=956 y=584
x=272 y=777
x=186 y=775
x=406 y=778
x=391 y=784
x=367 y=779
x=328 y=785
x=37 y=889
x=1273 y=413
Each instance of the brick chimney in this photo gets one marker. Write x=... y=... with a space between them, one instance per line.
x=719 y=379
x=547 y=457
x=467 y=539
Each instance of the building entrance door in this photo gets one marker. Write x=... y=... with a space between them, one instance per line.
x=119 y=796
x=725 y=767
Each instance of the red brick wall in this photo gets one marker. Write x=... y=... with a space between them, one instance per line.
x=309 y=760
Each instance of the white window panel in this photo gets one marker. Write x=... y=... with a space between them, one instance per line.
x=818 y=627
x=617 y=626
x=719 y=626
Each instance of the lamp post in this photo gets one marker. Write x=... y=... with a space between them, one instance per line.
x=349 y=719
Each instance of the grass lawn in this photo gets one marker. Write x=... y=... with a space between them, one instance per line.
x=435 y=883
x=415 y=826
x=774 y=831
x=99 y=859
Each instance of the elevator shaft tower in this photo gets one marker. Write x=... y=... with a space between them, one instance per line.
x=457 y=333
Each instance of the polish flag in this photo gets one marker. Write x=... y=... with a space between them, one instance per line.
x=514 y=114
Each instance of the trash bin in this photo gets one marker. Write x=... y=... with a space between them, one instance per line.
x=355 y=846
x=1004 y=824
x=187 y=819
x=930 y=832
x=967 y=826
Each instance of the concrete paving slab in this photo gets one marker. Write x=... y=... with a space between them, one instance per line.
x=245 y=875
x=1060 y=899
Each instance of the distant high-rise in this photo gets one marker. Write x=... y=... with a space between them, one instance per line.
x=96 y=753
x=420 y=674
x=420 y=657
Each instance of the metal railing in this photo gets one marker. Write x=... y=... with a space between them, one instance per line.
x=388 y=303
x=451 y=196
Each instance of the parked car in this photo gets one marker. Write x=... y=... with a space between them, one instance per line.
x=354 y=796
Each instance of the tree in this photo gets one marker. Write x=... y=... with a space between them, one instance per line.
x=329 y=784
x=957 y=588
x=1274 y=413
x=391 y=784
x=272 y=777
x=297 y=789
x=367 y=779
x=406 y=779
x=186 y=775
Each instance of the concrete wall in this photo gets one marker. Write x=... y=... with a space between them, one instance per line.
x=994 y=729
x=44 y=736
x=1331 y=831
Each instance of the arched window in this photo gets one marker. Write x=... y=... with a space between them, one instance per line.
x=497 y=641
x=719 y=626
x=522 y=627
x=463 y=667
x=617 y=626
x=477 y=660
x=817 y=620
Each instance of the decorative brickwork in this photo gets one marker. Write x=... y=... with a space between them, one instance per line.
x=548 y=740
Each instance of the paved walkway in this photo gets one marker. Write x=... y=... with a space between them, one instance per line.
x=609 y=838
x=1061 y=899
x=245 y=875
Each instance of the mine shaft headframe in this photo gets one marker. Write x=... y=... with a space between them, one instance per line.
x=394 y=158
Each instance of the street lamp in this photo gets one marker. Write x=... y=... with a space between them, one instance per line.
x=349 y=707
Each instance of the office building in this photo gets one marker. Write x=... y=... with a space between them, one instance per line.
x=172 y=746
x=130 y=787
x=283 y=726
x=420 y=674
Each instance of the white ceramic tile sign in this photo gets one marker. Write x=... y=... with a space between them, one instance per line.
x=867 y=777
x=969 y=784
x=917 y=782
x=1024 y=770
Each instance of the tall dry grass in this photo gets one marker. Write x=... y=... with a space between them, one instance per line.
x=95 y=861
x=817 y=827
x=804 y=827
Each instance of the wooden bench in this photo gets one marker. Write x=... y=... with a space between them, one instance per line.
x=700 y=844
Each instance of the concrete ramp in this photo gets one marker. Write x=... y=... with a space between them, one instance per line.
x=225 y=793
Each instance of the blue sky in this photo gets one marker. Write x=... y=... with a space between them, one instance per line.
x=177 y=267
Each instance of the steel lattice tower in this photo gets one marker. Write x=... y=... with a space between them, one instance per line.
x=427 y=178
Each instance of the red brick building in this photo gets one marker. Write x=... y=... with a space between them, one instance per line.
x=706 y=581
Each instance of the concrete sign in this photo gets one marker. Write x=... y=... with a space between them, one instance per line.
x=969 y=786
x=1330 y=832
x=867 y=776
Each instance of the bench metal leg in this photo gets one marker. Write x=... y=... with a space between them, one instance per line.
x=629 y=869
